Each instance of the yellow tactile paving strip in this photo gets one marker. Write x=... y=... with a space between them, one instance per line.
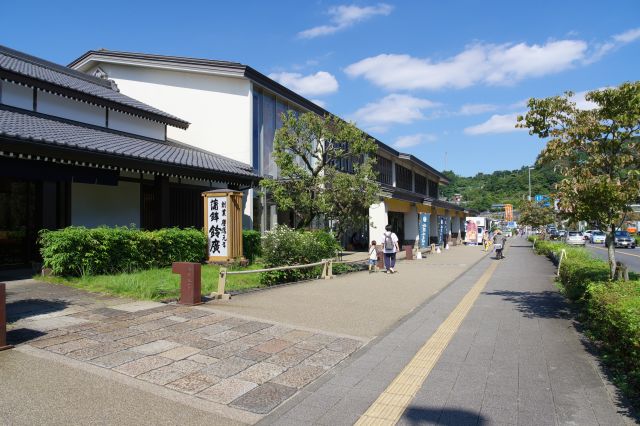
x=390 y=405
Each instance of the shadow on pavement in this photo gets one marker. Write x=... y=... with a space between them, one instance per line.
x=441 y=416
x=22 y=335
x=545 y=304
x=31 y=307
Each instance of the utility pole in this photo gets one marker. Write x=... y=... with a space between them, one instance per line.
x=530 y=168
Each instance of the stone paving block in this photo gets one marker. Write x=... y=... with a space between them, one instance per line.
x=254 y=339
x=203 y=359
x=226 y=336
x=273 y=346
x=208 y=319
x=321 y=338
x=52 y=323
x=107 y=312
x=193 y=383
x=344 y=345
x=163 y=375
x=180 y=352
x=275 y=330
x=187 y=366
x=290 y=356
x=155 y=347
x=296 y=335
x=64 y=348
x=142 y=365
x=254 y=355
x=264 y=398
x=210 y=330
x=154 y=325
x=325 y=358
x=100 y=349
x=226 y=350
x=310 y=346
x=226 y=391
x=195 y=341
x=176 y=318
x=228 y=367
x=181 y=327
x=144 y=338
x=233 y=322
x=116 y=358
x=43 y=343
x=115 y=335
x=190 y=313
x=251 y=327
x=141 y=305
x=260 y=372
x=299 y=376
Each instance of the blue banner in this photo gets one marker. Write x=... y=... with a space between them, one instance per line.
x=423 y=230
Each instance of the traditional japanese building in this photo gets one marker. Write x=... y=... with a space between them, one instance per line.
x=74 y=150
x=235 y=111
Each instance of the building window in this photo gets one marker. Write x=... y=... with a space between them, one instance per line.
x=421 y=184
x=403 y=178
x=268 y=133
x=433 y=189
x=384 y=171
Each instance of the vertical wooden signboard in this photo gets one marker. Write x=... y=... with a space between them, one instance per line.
x=223 y=224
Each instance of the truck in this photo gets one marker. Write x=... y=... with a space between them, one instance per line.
x=483 y=224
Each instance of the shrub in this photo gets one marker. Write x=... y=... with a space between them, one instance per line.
x=76 y=251
x=613 y=318
x=251 y=244
x=284 y=246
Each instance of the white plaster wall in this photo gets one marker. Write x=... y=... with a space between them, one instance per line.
x=95 y=205
x=218 y=107
x=136 y=125
x=378 y=219
x=411 y=224
x=16 y=95
x=59 y=106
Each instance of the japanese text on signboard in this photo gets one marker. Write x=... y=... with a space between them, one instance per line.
x=217 y=226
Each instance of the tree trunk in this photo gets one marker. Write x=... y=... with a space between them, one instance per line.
x=611 y=250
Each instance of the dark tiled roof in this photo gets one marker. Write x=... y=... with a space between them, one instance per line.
x=38 y=69
x=33 y=127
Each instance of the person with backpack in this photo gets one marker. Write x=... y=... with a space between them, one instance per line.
x=390 y=248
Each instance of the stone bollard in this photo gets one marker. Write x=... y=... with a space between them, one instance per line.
x=3 y=318
x=380 y=259
x=190 y=282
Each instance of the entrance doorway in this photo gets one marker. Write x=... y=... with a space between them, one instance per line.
x=19 y=221
x=396 y=220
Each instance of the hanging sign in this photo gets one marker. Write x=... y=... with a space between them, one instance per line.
x=424 y=229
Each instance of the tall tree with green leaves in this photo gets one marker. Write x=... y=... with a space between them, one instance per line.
x=535 y=214
x=595 y=150
x=326 y=169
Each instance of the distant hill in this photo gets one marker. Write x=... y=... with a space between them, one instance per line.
x=500 y=187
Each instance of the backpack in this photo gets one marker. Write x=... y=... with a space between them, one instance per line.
x=388 y=241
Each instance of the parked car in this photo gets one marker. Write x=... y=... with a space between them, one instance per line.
x=562 y=234
x=598 y=237
x=575 y=238
x=587 y=234
x=622 y=239
x=553 y=234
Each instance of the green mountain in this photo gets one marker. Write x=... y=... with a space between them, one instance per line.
x=481 y=191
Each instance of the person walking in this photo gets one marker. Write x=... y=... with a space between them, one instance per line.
x=390 y=248
x=373 y=257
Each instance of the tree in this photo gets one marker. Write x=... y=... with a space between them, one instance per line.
x=596 y=152
x=536 y=215
x=325 y=170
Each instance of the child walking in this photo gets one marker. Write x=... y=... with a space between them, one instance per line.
x=373 y=257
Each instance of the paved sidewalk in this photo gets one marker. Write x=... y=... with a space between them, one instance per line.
x=516 y=359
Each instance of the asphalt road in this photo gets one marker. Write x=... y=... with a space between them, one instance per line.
x=630 y=257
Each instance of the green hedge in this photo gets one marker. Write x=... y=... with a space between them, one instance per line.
x=285 y=246
x=251 y=244
x=613 y=318
x=76 y=251
x=610 y=309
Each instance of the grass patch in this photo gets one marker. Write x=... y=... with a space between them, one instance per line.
x=157 y=284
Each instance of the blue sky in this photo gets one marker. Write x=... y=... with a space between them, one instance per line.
x=434 y=79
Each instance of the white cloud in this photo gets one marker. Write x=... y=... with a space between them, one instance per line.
x=478 y=64
x=392 y=109
x=413 y=140
x=473 y=109
x=496 y=124
x=320 y=83
x=320 y=103
x=345 y=16
x=628 y=36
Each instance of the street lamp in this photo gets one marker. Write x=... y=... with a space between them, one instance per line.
x=530 y=168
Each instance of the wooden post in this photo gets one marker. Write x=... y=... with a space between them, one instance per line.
x=190 y=282
x=3 y=318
